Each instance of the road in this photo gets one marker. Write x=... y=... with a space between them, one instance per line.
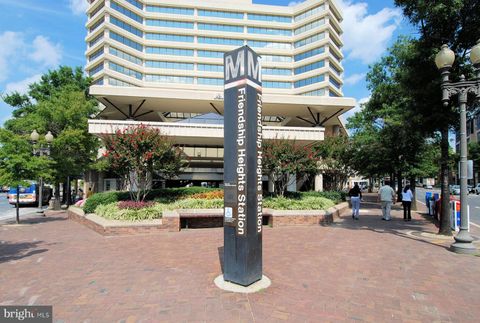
x=473 y=202
x=7 y=211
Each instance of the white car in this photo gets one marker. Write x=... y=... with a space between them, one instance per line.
x=455 y=190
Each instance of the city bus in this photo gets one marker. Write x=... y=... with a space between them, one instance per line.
x=29 y=194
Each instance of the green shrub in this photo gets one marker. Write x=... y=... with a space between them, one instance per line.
x=168 y=195
x=304 y=203
x=336 y=196
x=104 y=198
x=111 y=211
x=191 y=203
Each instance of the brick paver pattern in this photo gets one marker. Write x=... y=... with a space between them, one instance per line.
x=366 y=270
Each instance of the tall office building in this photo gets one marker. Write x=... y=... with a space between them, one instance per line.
x=160 y=62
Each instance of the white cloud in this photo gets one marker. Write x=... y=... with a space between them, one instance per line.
x=294 y=3
x=366 y=36
x=45 y=52
x=354 y=79
x=12 y=44
x=22 y=86
x=78 y=7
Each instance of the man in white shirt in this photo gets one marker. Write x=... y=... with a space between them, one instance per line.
x=386 y=195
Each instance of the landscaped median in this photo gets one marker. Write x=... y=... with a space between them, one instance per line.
x=173 y=209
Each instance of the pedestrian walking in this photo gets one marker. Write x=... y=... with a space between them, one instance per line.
x=355 y=196
x=407 y=197
x=386 y=195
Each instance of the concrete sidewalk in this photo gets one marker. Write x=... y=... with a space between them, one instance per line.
x=366 y=270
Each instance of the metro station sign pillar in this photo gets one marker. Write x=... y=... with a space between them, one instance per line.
x=243 y=167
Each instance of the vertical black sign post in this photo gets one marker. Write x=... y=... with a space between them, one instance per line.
x=243 y=167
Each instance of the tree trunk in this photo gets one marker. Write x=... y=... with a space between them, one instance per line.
x=413 y=188
x=17 y=204
x=445 y=214
x=399 y=188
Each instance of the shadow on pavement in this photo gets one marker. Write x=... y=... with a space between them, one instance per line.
x=371 y=220
x=15 y=251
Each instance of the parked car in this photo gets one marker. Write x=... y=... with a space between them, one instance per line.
x=477 y=189
x=455 y=190
x=470 y=189
x=428 y=187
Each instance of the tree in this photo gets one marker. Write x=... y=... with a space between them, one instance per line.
x=335 y=156
x=285 y=160
x=451 y=22
x=139 y=152
x=17 y=164
x=58 y=103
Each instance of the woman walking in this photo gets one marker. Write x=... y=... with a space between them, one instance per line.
x=407 y=197
x=355 y=195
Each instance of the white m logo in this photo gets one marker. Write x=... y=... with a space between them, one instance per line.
x=232 y=70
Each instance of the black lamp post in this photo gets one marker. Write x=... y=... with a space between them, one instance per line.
x=444 y=61
x=40 y=150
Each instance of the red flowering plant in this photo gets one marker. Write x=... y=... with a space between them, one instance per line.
x=283 y=158
x=133 y=205
x=137 y=153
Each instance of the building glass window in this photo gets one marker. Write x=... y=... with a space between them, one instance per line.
x=285 y=19
x=309 y=26
x=335 y=41
x=209 y=53
x=169 y=23
x=136 y=3
x=98 y=81
x=209 y=81
x=97 y=9
x=169 y=65
x=334 y=54
x=220 y=14
x=125 y=26
x=210 y=68
x=309 y=13
x=95 y=40
x=276 y=85
x=309 y=81
x=335 y=83
x=266 y=44
x=309 y=67
x=114 y=82
x=319 y=92
x=336 y=69
x=269 y=31
x=169 y=37
x=333 y=94
x=170 y=10
x=169 y=51
x=125 y=56
x=220 y=41
x=126 y=12
x=310 y=53
x=126 y=41
x=217 y=27
x=94 y=70
x=97 y=24
x=168 y=79
x=276 y=71
x=277 y=58
x=309 y=40
x=124 y=70
x=95 y=54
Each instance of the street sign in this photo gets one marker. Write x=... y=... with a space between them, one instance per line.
x=243 y=167
x=469 y=169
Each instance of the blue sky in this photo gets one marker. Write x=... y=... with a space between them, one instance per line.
x=37 y=35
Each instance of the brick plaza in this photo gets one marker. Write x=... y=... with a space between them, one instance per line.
x=366 y=270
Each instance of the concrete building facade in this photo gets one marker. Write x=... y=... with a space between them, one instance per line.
x=160 y=62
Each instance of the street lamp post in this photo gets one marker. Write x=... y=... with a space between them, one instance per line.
x=444 y=61
x=39 y=151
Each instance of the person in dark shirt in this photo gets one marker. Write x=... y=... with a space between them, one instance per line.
x=355 y=196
